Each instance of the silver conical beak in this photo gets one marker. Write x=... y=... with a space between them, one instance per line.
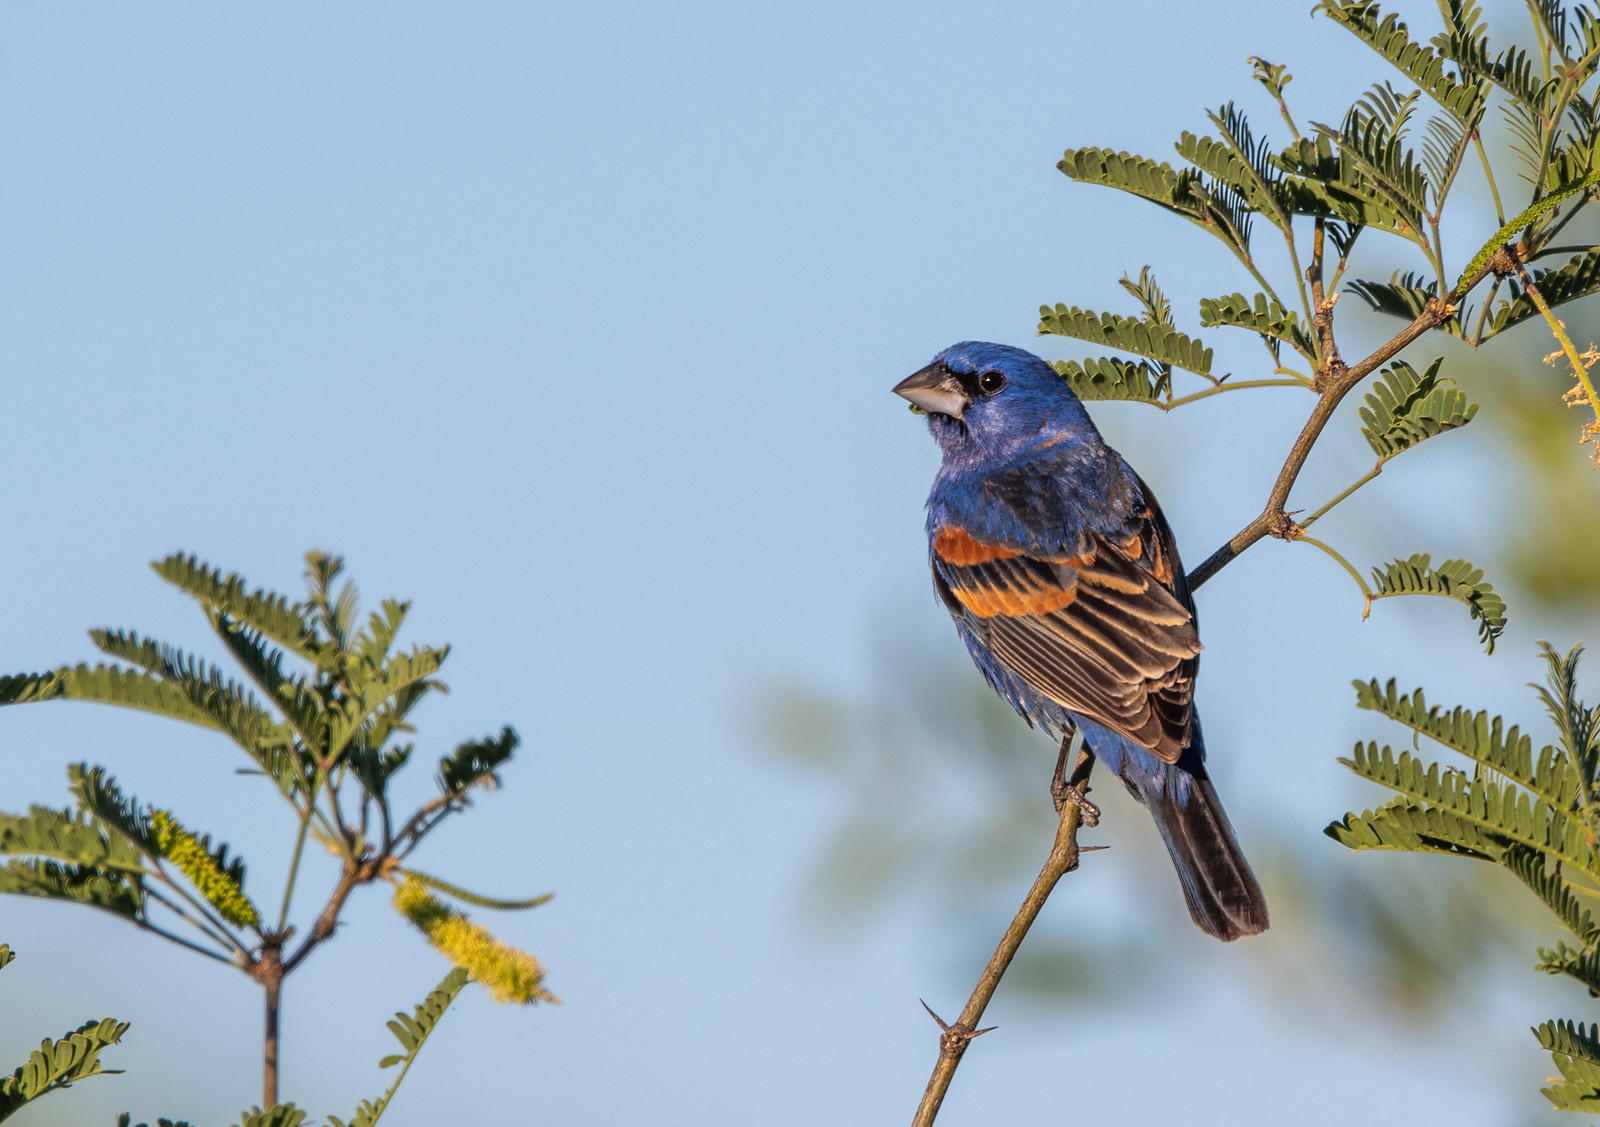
x=934 y=389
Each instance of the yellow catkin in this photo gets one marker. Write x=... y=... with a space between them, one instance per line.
x=509 y=975
x=220 y=890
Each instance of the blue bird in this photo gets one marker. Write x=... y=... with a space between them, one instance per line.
x=1062 y=577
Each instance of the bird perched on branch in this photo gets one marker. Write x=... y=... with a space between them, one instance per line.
x=1062 y=577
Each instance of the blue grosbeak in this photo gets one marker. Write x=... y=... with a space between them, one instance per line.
x=1063 y=579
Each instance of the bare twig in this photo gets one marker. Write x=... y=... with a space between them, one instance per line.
x=955 y=1036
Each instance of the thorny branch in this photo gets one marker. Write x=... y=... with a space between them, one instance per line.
x=955 y=1036
x=1334 y=380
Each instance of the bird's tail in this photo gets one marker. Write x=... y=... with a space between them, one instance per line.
x=1221 y=891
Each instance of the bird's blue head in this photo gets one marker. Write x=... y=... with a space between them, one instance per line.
x=987 y=401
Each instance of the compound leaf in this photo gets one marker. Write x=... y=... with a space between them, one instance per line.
x=475 y=762
x=280 y=1115
x=1389 y=37
x=1578 y=278
x=1404 y=295
x=1404 y=409
x=411 y=1031
x=1217 y=208
x=1107 y=377
x=1263 y=316
x=1576 y=1052
x=272 y=614
x=1454 y=579
x=55 y=1065
x=1554 y=776
x=1157 y=342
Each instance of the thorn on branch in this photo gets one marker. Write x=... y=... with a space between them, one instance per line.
x=1439 y=312
x=1329 y=375
x=954 y=1037
x=1284 y=527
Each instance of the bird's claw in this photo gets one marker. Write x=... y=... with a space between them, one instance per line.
x=1063 y=792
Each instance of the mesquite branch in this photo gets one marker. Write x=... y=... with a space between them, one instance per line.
x=1333 y=382
x=955 y=1036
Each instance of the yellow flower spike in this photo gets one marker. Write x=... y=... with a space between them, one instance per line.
x=220 y=890
x=509 y=975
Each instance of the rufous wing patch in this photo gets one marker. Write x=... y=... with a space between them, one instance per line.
x=1160 y=566
x=955 y=546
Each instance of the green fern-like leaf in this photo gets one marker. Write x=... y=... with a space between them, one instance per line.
x=1578 y=724
x=1263 y=316
x=1575 y=161
x=110 y=891
x=475 y=762
x=1404 y=409
x=411 y=1032
x=1554 y=777
x=132 y=688
x=55 y=1065
x=1405 y=295
x=119 y=815
x=1454 y=579
x=1215 y=208
x=1149 y=295
x=1333 y=184
x=1549 y=886
x=25 y=688
x=1107 y=377
x=1377 y=167
x=1406 y=827
x=271 y=614
x=1576 y=1052
x=1579 y=278
x=71 y=838
x=389 y=691
x=1389 y=37
x=1581 y=966
x=280 y=1115
x=231 y=707
x=1160 y=343
x=1496 y=812
x=1535 y=818
x=1244 y=164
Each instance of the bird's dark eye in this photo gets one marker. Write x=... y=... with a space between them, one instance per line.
x=990 y=382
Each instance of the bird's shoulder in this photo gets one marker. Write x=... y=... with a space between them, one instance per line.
x=1049 y=500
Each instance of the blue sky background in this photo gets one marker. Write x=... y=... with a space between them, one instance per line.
x=575 y=324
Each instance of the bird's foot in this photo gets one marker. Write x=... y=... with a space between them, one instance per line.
x=1063 y=792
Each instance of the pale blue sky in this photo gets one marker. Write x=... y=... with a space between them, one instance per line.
x=575 y=324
